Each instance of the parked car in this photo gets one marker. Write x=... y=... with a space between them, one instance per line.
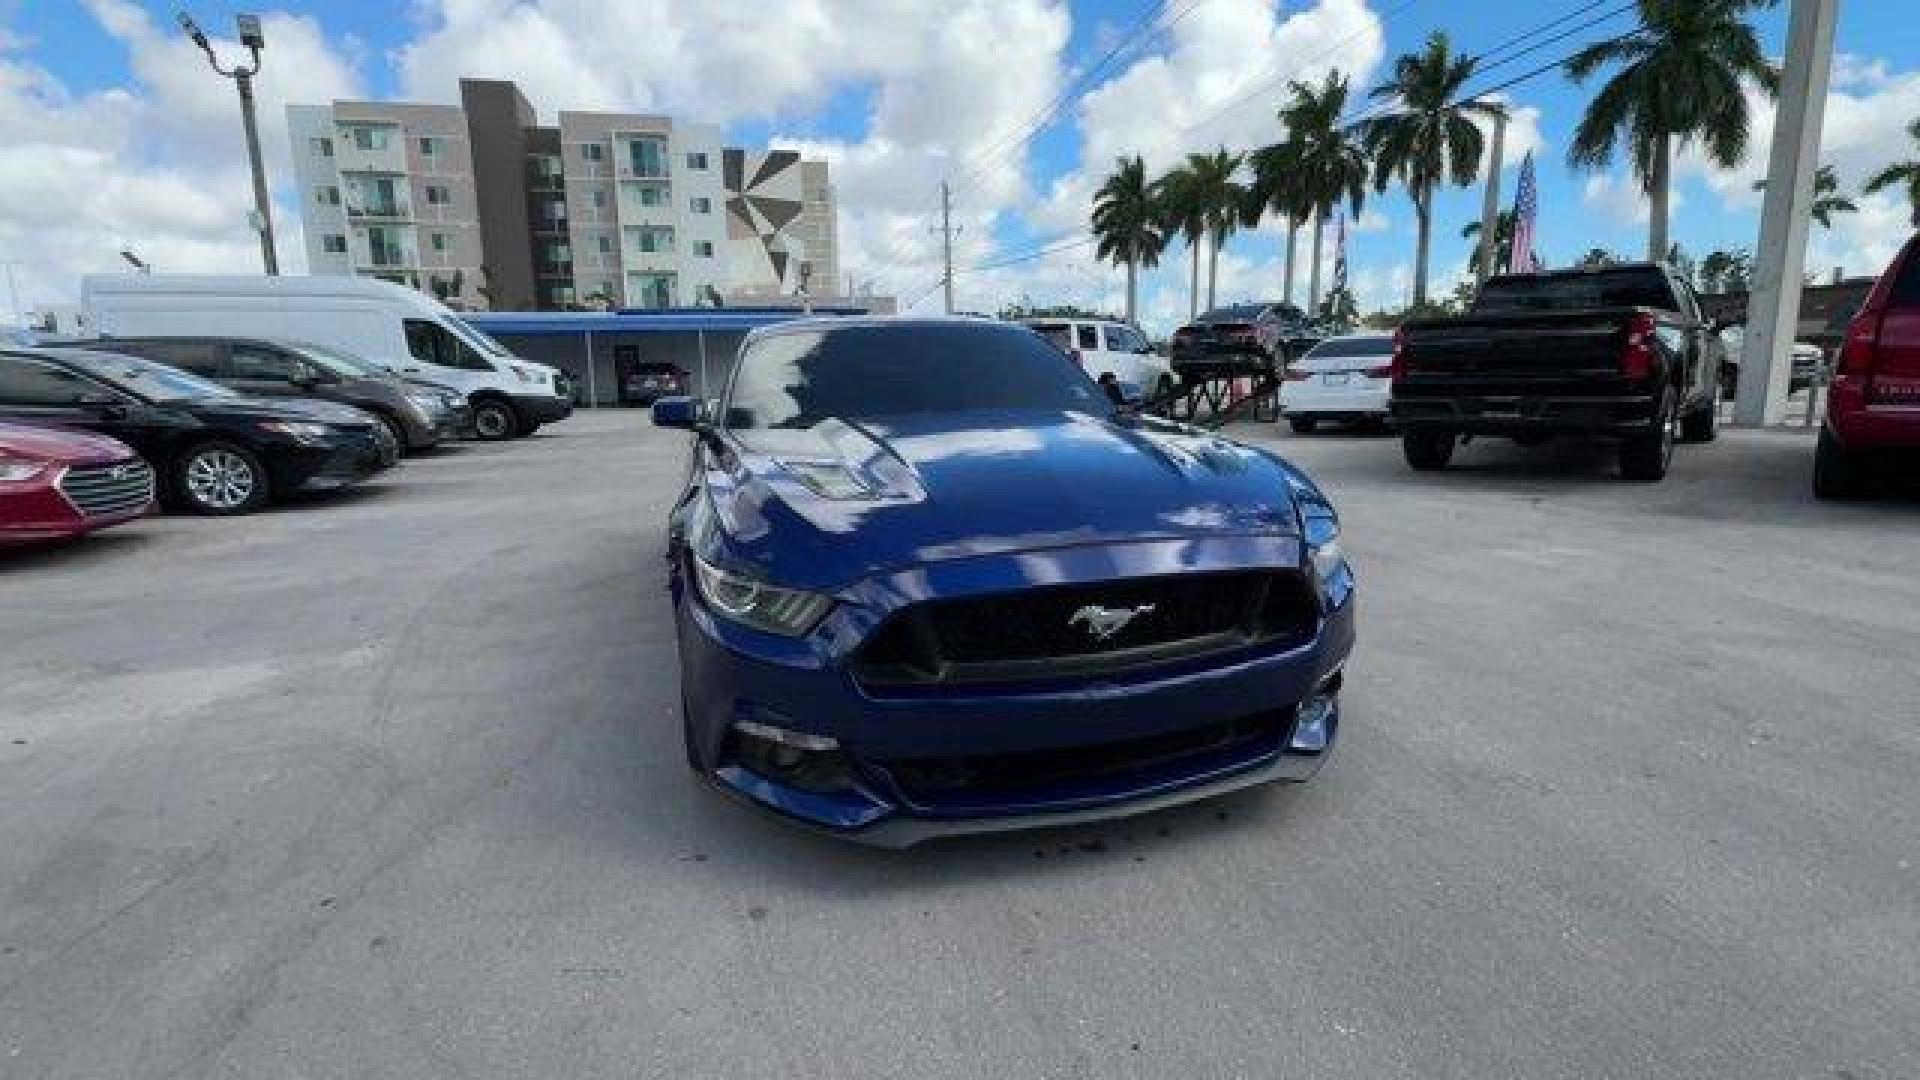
x=1806 y=358
x=1345 y=379
x=1103 y=346
x=1618 y=352
x=930 y=582
x=648 y=383
x=1872 y=426
x=397 y=328
x=409 y=416
x=1252 y=336
x=56 y=485
x=215 y=451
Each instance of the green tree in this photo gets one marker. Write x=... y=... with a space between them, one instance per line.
x=1181 y=211
x=1902 y=173
x=1679 y=81
x=1598 y=256
x=1277 y=187
x=1340 y=311
x=1502 y=241
x=1427 y=136
x=1223 y=203
x=1725 y=271
x=1827 y=200
x=1332 y=164
x=1127 y=224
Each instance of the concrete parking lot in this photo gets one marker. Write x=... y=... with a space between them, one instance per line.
x=389 y=785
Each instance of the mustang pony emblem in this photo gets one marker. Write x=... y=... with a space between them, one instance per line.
x=1104 y=622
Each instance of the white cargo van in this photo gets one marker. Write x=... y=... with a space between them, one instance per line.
x=380 y=322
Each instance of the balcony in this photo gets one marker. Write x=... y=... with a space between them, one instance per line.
x=390 y=209
x=386 y=255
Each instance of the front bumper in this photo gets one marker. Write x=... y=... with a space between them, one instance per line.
x=346 y=458
x=730 y=675
x=542 y=408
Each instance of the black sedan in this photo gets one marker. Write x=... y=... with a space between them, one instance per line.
x=215 y=451
x=411 y=415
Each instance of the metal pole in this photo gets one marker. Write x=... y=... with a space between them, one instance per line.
x=13 y=292
x=593 y=390
x=702 y=334
x=946 y=240
x=1490 y=208
x=1773 y=307
x=261 y=204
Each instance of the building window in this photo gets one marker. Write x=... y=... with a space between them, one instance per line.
x=599 y=199
x=649 y=157
x=437 y=195
x=333 y=244
x=429 y=146
x=555 y=209
x=593 y=151
x=704 y=249
x=606 y=244
x=322 y=147
x=651 y=290
x=651 y=196
x=328 y=195
x=653 y=240
x=559 y=251
x=439 y=241
x=369 y=137
x=696 y=161
x=702 y=205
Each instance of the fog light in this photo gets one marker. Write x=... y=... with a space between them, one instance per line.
x=1315 y=719
x=797 y=759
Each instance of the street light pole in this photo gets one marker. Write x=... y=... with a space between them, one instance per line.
x=242 y=77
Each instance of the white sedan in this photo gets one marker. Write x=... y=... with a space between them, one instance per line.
x=1345 y=379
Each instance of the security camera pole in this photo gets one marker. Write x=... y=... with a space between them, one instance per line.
x=242 y=77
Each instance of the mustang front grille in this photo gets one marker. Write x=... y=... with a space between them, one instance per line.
x=1091 y=629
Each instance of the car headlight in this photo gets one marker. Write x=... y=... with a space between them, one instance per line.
x=526 y=375
x=15 y=470
x=787 y=612
x=426 y=404
x=305 y=432
x=1320 y=530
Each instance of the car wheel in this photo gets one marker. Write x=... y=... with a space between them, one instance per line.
x=220 y=479
x=1302 y=425
x=1836 y=473
x=1644 y=458
x=1703 y=424
x=1427 y=450
x=390 y=438
x=495 y=420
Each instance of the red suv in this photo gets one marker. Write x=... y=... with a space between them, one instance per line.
x=1873 y=410
x=56 y=483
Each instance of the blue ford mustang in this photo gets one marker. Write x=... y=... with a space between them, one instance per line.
x=927 y=582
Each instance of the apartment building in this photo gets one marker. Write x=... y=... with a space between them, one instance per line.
x=387 y=190
x=601 y=210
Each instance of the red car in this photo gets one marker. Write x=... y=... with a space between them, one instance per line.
x=1873 y=409
x=56 y=483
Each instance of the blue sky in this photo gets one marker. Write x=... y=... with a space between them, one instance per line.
x=896 y=94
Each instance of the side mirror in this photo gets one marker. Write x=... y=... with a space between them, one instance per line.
x=676 y=412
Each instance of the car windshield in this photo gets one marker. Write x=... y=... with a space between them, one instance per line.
x=146 y=379
x=1625 y=287
x=1235 y=313
x=1352 y=346
x=347 y=367
x=799 y=378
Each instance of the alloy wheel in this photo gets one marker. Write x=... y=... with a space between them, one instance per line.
x=220 y=479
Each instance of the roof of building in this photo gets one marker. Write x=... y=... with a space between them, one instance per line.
x=647 y=321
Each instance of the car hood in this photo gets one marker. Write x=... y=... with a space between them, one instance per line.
x=310 y=410
x=65 y=446
x=824 y=506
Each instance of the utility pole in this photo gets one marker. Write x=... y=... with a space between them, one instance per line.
x=946 y=241
x=13 y=294
x=254 y=40
x=1773 y=305
x=1485 y=265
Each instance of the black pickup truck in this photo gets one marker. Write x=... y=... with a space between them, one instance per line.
x=1620 y=352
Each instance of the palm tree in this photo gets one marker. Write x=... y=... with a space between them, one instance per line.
x=1827 y=200
x=1680 y=79
x=1901 y=172
x=1176 y=197
x=1502 y=241
x=1333 y=165
x=1427 y=136
x=1598 y=256
x=1127 y=223
x=1221 y=200
x=1277 y=187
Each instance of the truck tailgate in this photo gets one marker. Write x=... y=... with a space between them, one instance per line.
x=1520 y=346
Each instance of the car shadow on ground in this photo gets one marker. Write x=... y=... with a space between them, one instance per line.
x=301 y=502
x=76 y=554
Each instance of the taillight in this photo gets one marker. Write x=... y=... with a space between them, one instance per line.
x=1397 y=370
x=1861 y=348
x=1384 y=371
x=1637 y=355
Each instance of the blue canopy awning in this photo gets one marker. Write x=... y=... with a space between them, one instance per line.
x=666 y=321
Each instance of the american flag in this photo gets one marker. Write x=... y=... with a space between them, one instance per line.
x=1526 y=206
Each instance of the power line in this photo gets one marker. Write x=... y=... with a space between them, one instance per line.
x=1052 y=247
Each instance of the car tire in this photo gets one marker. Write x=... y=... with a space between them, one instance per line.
x=219 y=479
x=1836 y=473
x=495 y=420
x=391 y=437
x=1302 y=425
x=1428 y=450
x=1644 y=458
x=1703 y=424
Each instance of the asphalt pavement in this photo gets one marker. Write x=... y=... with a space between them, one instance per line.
x=390 y=785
